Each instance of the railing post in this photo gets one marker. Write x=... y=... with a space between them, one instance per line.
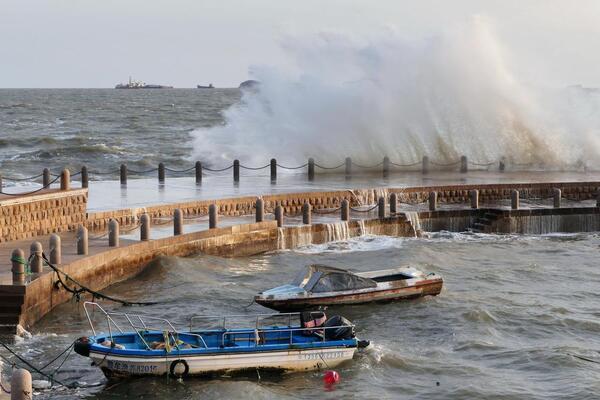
x=1 y=185
x=348 y=167
x=18 y=268
x=55 y=249
x=36 y=263
x=260 y=210
x=177 y=222
x=198 y=172
x=279 y=216
x=502 y=164
x=85 y=179
x=393 y=203
x=306 y=213
x=145 y=227
x=65 y=180
x=123 y=172
x=82 y=240
x=381 y=207
x=345 y=210
x=311 y=169
x=46 y=177
x=557 y=193
x=514 y=199
x=213 y=216
x=464 y=165
x=474 y=196
x=432 y=201
x=113 y=233
x=425 y=167
x=273 y=170
x=161 y=173
x=21 y=385
x=236 y=170
x=386 y=166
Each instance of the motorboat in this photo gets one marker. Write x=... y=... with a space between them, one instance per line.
x=140 y=345
x=321 y=286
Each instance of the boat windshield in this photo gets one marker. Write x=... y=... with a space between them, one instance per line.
x=320 y=278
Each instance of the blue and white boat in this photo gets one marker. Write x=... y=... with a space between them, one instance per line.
x=154 y=346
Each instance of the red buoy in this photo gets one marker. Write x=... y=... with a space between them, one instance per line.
x=331 y=377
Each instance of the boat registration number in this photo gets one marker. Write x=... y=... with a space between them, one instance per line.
x=131 y=368
x=317 y=356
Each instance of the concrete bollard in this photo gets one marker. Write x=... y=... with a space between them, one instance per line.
x=198 y=172
x=145 y=227
x=425 y=167
x=381 y=207
x=18 y=268
x=598 y=199
x=260 y=210
x=123 y=173
x=177 y=222
x=464 y=165
x=557 y=194
x=279 y=216
x=514 y=199
x=502 y=164
x=113 y=233
x=55 y=246
x=21 y=385
x=213 y=216
x=82 y=241
x=273 y=170
x=1 y=185
x=393 y=203
x=236 y=170
x=311 y=169
x=348 y=167
x=161 y=172
x=306 y=214
x=65 y=180
x=36 y=263
x=386 y=166
x=474 y=196
x=432 y=201
x=46 y=177
x=85 y=179
x=345 y=210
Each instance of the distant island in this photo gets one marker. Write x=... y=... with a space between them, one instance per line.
x=140 y=85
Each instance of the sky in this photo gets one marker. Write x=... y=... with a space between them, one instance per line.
x=84 y=43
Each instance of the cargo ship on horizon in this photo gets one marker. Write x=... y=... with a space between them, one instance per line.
x=140 y=85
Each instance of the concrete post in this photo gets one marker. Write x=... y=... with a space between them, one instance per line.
x=306 y=214
x=1 y=185
x=464 y=165
x=55 y=249
x=113 y=233
x=161 y=172
x=236 y=170
x=145 y=227
x=474 y=196
x=598 y=199
x=213 y=216
x=18 y=268
x=177 y=222
x=348 y=167
x=198 y=172
x=46 y=177
x=345 y=210
x=425 y=167
x=279 y=216
x=123 y=174
x=20 y=385
x=82 y=240
x=381 y=207
x=260 y=210
x=85 y=179
x=393 y=203
x=557 y=193
x=65 y=180
x=432 y=201
x=311 y=169
x=36 y=263
x=386 y=166
x=514 y=199
x=502 y=164
x=273 y=170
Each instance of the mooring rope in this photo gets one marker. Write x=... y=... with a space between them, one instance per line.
x=405 y=165
x=367 y=166
x=364 y=211
x=298 y=167
x=218 y=169
x=142 y=172
x=443 y=164
x=330 y=211
x=179 y=171
x=324 y=167
x=8 y=178
x=34 y=191
x=254 y=168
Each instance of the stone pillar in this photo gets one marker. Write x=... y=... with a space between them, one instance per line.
x=36 y=263
x=514 y=199
x=113 y=233
x=65 y=180
x=432 y=201
x=177 y=222
x=46 y=177
x=18 y=268
x=273 y=170
x=381 y=207
x=123 y=174
x=311 y=169
x=1 y=185
x=386 y=166
x=145 y=227
x=598 y=199
x=260 y=210
x=557 y=194
x=236 y=170
x=20 y=385
x=198 y=172
x=393 y=203
x=502 y=164
x=55 y=249
x=474 y=196
x=464 y=165
x=425 y=167
x=279 y=216
x=345 y=210
x=306 y=214
x=348 y=167
x=82 y=240
x=161 y=173
x=213 y=216
x=85 y=179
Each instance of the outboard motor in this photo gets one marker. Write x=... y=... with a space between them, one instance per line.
x=344 y=329
x=312 y=319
